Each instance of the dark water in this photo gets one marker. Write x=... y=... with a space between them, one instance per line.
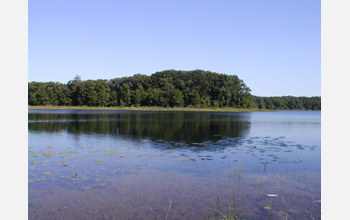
x=135 y=165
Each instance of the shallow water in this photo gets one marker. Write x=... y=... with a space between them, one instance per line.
x=133 y=165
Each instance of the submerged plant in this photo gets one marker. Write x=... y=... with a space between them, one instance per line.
x=318 y=210
x=268 y=207
x=168 y=210
x=225 y=217
x=284 y=204
x=309 y=214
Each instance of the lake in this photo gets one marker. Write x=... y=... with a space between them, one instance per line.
x=85 y=164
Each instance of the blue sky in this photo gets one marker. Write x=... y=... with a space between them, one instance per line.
x=273 y=46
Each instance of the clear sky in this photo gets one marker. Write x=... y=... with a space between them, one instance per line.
x=273 y=46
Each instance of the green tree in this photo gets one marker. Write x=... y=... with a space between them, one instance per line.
x=76 y=86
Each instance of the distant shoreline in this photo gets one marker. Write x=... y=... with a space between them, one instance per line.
x=145 y=108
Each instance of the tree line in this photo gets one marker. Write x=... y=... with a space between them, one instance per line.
x=169 y=88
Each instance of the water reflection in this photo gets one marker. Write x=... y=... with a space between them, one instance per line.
x=186 y=127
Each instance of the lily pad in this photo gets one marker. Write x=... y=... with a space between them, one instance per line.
x=36 y=151
x=109 y=152
x=79 y=157
x=87 y=187
x=48 y=154
x=70 y=152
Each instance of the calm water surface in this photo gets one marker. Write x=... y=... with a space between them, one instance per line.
x=135 y=165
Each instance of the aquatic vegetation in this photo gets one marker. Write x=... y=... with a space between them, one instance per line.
x=79 y=157
x=168 y=210
x=70 y=152
x=309 y=214
x=191 y=159
x=110 y=152
x=33 y=163
x=284 y=204
x=93 y=153
x=48 y=154
x=229 y=216
x=317 y=208
x=238 y=206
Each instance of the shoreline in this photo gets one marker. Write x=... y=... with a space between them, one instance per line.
x=145 y=108
x=160 y=109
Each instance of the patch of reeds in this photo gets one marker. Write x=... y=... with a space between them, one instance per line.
x=238 y=208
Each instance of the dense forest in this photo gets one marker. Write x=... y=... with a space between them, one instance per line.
x=169 y=88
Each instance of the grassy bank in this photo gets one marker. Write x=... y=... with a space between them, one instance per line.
x=190 y=109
